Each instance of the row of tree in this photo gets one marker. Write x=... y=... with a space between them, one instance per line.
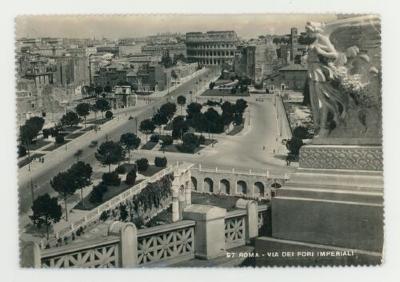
x=45 y=209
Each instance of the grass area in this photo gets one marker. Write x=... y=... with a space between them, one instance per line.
x=151 y=170
x=74 y=135
x=69 y=129
x=38 y=144
x=98 y=121
x=28 y=160
x=149 y=145
x=222 y=201
x=175 y=148
x=55 y=146
x=223 y=92
x=111 y=193
x=236 y=129
x=88 y=128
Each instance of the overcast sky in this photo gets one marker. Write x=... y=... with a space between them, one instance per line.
x=246 y=25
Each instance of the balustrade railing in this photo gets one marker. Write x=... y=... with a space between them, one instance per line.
x=235 y=229
x=95 y=254
x=166 y=242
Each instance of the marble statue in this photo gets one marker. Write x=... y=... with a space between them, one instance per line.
x=344 y=81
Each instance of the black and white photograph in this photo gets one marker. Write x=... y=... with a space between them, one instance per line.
x=185 y=140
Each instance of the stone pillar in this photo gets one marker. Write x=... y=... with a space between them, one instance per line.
x=251 y=217
x=128 y=242
x=175 y=204
x=209 y=231
x=30 y=255
x=188 y=192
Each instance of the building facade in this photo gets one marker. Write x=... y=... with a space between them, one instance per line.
x=212 y=47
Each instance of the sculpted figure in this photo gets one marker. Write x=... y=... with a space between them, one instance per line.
x=324 y=96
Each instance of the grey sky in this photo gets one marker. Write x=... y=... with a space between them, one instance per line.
x=246 y=25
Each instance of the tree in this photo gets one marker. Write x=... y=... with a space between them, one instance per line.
x=97 y=193
x=98 y=90
x=82 y=173
x=142 y=164
x=110 y=153
x=168 y=109
x=21 y=151
x=30 y=130
x=190 y=142
x=107 y=89
x=160 y=161
x=240 y=105
x=109 y=115
x=192 y=109
x=159 y=119
x=179 y=127
x=181 y=101
x=70 y=119
x=130 y=141
x=102 y=105
x=123 y=213
x=83 y=110
x=199 y=122
x=59 y=139
x=65 y=184
x=131 y=177
x=166 y=140
x=147 y=127
x=111 y=178
x=215 y=123
x=45 y=211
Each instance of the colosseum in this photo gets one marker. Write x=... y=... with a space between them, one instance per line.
x=211 y=47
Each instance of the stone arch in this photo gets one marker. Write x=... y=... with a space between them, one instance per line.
x=194 y=183
x=225 y=186
x=259 y=189
x=241 y=187
x=208 y=185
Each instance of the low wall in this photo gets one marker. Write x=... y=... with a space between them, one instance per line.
x=284 y=129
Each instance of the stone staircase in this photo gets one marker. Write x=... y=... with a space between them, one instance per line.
x=334 y=185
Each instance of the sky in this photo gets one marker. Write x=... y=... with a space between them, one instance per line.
x=114 y=27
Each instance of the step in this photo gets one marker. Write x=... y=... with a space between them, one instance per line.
x=333 y=195
x=337 y=178
x=291 y=184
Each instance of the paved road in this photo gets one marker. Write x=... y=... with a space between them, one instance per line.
x=42 y=175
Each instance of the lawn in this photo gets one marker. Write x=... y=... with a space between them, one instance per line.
x=74 y=135
x=38 y=144
x=56 y=145
x=223 y=92
x=151 y=170
x=149 y=145
x=111 y=193
x=226 y=202
x=27 y=160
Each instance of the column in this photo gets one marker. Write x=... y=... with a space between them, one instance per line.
x=30 y=255
x=251 y=217
x=128 y=243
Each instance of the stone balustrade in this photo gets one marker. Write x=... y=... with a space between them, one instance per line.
x=205 y=232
